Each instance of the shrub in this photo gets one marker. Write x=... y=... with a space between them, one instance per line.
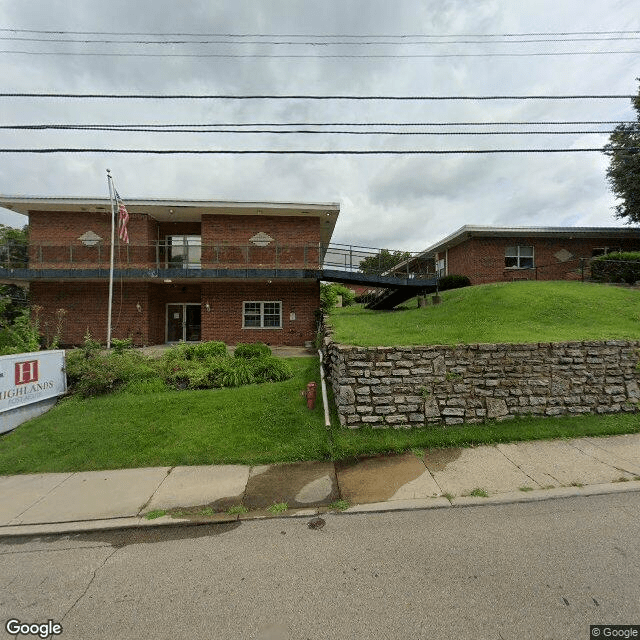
x=617 y=267
x=19 y=336
x=453 y=281
x=103 y=373
x=329 y=295
x=254 y=350
x=271 y=369
x=205 y=350
x=348 y=296
x=120 y=345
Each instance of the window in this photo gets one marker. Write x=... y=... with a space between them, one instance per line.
x=603 y=251
x=184 y=251
x=262 y=315
x=518 y=258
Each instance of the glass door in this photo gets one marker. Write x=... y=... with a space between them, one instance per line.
x=183 y=322
x=192 y=322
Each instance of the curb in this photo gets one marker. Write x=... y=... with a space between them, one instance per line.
x=418 y=504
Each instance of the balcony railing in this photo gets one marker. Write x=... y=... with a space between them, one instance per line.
x=163 y=256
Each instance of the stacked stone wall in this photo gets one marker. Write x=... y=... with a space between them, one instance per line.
x=449 y=385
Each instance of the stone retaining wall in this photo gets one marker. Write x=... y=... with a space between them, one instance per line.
x=417 y=386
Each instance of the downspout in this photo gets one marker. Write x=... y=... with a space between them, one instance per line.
x=325 y=403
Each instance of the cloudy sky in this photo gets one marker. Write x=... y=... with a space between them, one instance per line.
x=401 y=202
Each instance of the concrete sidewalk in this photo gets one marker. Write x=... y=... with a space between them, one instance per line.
x=65 y=502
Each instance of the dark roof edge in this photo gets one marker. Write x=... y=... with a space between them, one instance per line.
x=478 y=231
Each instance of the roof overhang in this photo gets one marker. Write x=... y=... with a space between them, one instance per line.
x=172 y=210
x=470 y=231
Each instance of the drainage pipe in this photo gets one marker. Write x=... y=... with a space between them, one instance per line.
x=327 y=422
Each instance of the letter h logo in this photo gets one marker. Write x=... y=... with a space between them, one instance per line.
x=26 y=371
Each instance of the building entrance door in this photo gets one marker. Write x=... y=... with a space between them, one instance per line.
x=183 y=322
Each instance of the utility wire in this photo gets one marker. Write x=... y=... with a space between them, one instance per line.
x=111 y=54
x=326 y=35
x=182 y=96
x=315 y=124
x=315 y=43
x=630 y=150
x=151 y=129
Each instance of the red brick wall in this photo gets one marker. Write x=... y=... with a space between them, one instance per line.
x=86 y=304
x=86 y=309
x=290 y=234
x=54 y=244
x=482 y=259
x=224 y=321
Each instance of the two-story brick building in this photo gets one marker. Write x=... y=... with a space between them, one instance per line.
x=193 y=270
x=503 y=254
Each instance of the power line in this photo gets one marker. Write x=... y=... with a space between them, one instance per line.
x=111 y=54
x=182 y=96
x=151 y=129
x=316 y=43
x=317 y=124
x=631 y=150
x=326 y=35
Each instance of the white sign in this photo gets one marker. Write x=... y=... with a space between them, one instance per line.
x=26 y=378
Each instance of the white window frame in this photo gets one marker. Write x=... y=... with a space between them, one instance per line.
x=262 y=303
x=518 y=257
x=191 y=247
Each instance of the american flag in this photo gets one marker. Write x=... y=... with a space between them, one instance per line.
x=123 y=219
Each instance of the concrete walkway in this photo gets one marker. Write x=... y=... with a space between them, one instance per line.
x=442 y=478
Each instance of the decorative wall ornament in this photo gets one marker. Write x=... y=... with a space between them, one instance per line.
x=90 y=239
x=261 y=239
x=563 y=255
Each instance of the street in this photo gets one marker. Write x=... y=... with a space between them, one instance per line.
x=531 y=570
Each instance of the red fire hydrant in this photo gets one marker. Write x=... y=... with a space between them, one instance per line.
x=310 y=394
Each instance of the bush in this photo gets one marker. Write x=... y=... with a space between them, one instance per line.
x=453 y=281
x=254 y=350
x=204 y=350
x=329 y=296
x=20 y=336
x=98 y=373
x=617 y=267
x=271 y=369
x=120 y=345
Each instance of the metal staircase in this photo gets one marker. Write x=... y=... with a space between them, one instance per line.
x=400 y=283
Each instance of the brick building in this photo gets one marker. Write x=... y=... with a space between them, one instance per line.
x=193 y=270
x=504 y=254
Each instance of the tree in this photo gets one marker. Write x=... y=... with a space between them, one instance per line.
x=13 y=254
x=383 y=261
x=623 y=173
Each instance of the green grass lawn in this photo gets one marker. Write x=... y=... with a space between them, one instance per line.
x=269 y=423
x=255 y=424
x=506 y=312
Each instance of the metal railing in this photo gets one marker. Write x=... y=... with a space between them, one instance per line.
x=354 y=258
x=163 y=255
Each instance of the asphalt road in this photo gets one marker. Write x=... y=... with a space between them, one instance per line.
x=531 y=570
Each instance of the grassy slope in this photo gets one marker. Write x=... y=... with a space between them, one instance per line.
x=252 y=425
x=506 y=312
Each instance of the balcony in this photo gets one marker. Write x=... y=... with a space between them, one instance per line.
x=158 y=260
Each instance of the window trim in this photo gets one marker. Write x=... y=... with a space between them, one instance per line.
x=518 y=257
x=262 y=303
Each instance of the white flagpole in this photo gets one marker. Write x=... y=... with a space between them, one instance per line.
x=113 y=226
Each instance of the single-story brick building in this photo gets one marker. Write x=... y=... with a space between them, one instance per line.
x=504 y=254
x=193 y=269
